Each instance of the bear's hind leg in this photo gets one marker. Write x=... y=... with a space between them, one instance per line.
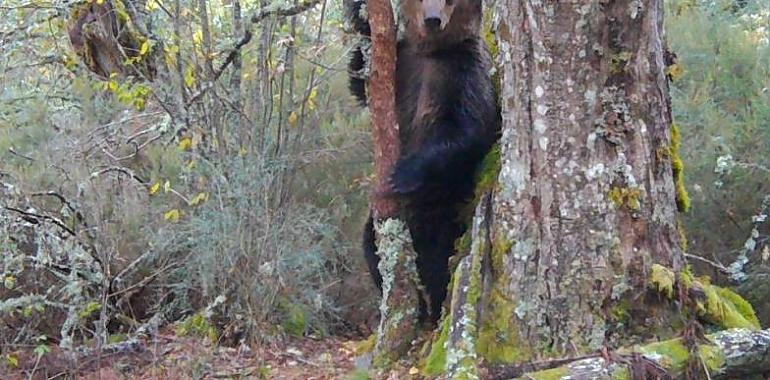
x=370 y=252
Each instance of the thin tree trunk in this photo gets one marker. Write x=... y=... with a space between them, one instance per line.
x=400 y=283
x=239 y=121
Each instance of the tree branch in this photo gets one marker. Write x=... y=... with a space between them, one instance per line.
x=732 y=354
x=32 y=217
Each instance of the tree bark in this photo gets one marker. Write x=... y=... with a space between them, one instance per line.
x=586 y=202
x=400 y=298
x=579 y=245
x=105 y=42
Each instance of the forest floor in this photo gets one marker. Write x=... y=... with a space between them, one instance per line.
x=172 y=357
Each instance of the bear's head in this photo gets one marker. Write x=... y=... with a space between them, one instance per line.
x=441 y=23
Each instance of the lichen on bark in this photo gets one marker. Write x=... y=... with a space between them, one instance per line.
x=399 y=306
x=455 y=352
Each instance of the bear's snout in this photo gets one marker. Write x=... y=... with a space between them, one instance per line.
x=432 y=23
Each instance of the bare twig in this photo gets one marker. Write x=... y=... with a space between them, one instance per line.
x=712 y=263
x=247 y=35
x=38 y=217
x=15 y=153
x=123 y=170
x=61 y=199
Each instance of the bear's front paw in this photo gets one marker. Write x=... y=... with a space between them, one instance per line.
x=407 y=177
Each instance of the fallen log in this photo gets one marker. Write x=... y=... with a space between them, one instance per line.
x=731 y=354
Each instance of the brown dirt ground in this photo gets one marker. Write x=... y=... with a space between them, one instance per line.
x=172 y=357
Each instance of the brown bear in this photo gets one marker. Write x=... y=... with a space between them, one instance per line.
x=448 y=117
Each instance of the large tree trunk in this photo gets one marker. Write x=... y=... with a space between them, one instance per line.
x=577 y=246
x=586 y=202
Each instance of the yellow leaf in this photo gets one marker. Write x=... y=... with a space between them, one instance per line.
x=185 y=143
x=167 y=187
x=172 y=216
x=311 y=99
x=192 y=164
x=189 y=77
x=243 y=151
x=200 y=198
x=675 y=71
x=151 y=5
x=112 y=85
x=12 y=360
x=154 y=189
x=139 y=104
x=293 y=118
x=171 y=53
x=198 y=38
x=145 y=48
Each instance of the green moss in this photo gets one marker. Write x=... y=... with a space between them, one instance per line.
x=498 y=340
x=686 y=278
x=435 y=364
x=366 y=345
x=621 y=373
x=91 y=308
x=727 y=309
x=117 y=338
x=683 y=243
x=628 y=197
x=490 y=169
x=549 y=374
x=712 y=357
x=294 y=319
x=500 y=248
x=720 y=306
x=620 y=311
x=490 y=38
x=742 y=306
x=486 y=180
x=663 y=279
x=463 y=243
x=197 y=325
x=359 y=375
x=675 y=354
x=677 y=165
x=618 y=62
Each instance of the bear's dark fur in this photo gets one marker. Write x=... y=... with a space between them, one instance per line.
x=448 y=119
